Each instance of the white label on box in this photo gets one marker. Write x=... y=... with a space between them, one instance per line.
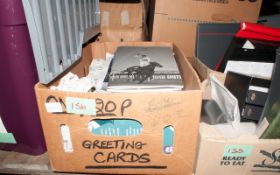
x=249 y=68
x=124 y=18
x=238 y=150
x=105 y=18
x=258 y=88
x=53 y=107
x=80 y=106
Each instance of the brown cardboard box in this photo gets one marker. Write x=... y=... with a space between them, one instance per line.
x=154 y=110
x=123 y=21
x=122 y=34
x=176 y=21
x=245 y=155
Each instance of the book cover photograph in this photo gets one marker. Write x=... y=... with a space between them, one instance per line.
x=150 y=68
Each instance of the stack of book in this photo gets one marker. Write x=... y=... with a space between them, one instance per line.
x=144 y=69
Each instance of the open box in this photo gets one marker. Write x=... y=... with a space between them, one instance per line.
x=246 y=154
x=140 y=154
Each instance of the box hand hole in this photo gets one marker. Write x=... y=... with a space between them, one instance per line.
x=168 y=139
x=115 y=127
x=66 y=138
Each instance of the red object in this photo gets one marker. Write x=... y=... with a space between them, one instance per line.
x=257 y=31
x=219 y=64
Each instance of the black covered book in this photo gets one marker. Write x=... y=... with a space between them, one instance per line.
x=264 y=51
x=144 y=69
x=212 y=41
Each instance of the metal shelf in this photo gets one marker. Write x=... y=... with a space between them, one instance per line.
x=57 y=31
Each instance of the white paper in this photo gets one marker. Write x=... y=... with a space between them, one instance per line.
x=229 y=105
x=254 y=69
x=98 y=70
x=228 y=131
x=71 y=82
x=2 y=127
x=258 y=88
x=53 y=107
x=226 y=101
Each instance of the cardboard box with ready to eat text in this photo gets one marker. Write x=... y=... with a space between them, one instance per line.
x=123 y=21
x=245 y=155
x=176 y=20
x=139 y=154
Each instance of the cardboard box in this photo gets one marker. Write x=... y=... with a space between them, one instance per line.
x=176 y=21
x=123 y=21
x=154 y=110
x=243 y=155
x=122 y=34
